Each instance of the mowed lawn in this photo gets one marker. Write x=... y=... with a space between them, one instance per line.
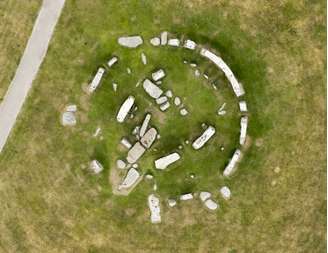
x=16 y=23
x=50 y=203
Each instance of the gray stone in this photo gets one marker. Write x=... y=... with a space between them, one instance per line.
x=130 y=41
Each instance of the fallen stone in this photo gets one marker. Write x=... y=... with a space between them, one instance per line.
x=152 y=89
x=124 y=109
x=143 y=58
x=183 y=112
x=174 y=42
x=112 y=61
x=155 y=210
x=164 y=38
x=68 y=119
x=96 y=167
x=171 y=202
x=161 y=100
x=190 y=44
x=230 y=168
x=144 y=125
x=211 y=205
x=135 y=153
x=157 y=75
x=165 y=106
x=135 y=165
x=163 y=162
x=120 y=164
x=225 y=192
x=187 y=196
x=148 y=139
x=177 y=101
x=130 y=41
x=125 y=142
x=204 y=196
x=130 y=179
x=96 y=80
x=201 y=140
x=155 y=41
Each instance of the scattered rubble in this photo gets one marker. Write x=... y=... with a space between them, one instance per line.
x=163 y=162
x=200 y=141
x=98 y=130
x=130 y=41
x=114 y=87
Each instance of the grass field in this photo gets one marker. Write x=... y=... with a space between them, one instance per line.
x=17 y=19
x=49 y=203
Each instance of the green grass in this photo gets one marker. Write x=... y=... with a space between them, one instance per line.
x=17 y=19
x=50 y=203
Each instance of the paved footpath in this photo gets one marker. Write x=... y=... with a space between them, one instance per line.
x=28 y=67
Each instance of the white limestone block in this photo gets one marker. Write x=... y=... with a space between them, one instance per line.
x=163 y=162
x=230 y=168
x=157 y=75
x=164 y=38
x=190 y=44
x=161 y=100
x=143 y=58
x=165 y=106
x=130 y=41
x=155 y=41
x=243 y=130
x=177 y=101
x=130 y=179
x=174 y=42
x=124 y=109
x=125 y=142
x=201 y=140
x=112 y=61
x=144 y=125
x=187 y=196
x=204 y=196
x=152 y=89
x=225 y=192
x=211 y=205
x=148 y=139
x=155 y=209
x=183 y=112
x=96 y=167
x=96 y=80
x=243 y=106
x=135 y=153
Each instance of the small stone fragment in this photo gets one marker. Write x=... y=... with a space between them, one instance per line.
x=96 y=166
x=128 y=70
x=169 y=93
x=171 y=202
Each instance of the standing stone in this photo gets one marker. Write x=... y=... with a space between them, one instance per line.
x=183 y=112
x=130 y=41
